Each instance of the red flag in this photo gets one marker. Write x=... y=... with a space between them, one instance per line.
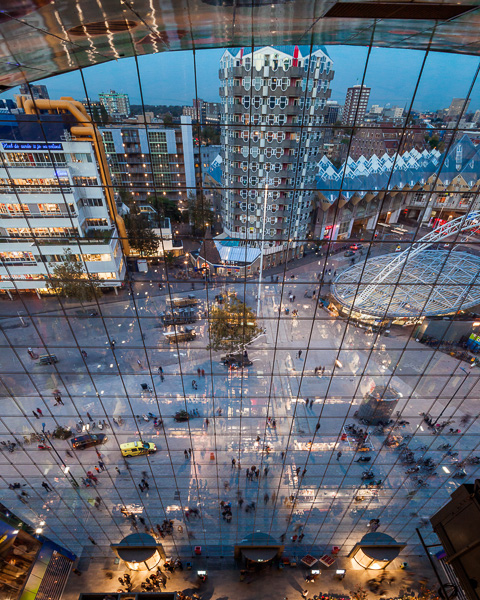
x=296 y=52
x=241 y=56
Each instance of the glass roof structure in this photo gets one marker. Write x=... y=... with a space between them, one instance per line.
x=41 y=38
x=267 y=193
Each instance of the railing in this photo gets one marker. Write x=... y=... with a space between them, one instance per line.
x=34 y=189
x=14 y=165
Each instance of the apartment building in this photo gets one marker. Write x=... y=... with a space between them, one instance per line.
x=208 y=113
x=355 y=107
x=273 y=101
x=150 y=162
x=116 y=104
x=53 y=196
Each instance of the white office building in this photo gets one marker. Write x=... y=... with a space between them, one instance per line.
x=52 y=198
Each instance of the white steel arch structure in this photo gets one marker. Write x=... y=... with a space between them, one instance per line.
x=419 y=281
x=463 y=223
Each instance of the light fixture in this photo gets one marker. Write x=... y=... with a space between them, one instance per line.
x=38 y=530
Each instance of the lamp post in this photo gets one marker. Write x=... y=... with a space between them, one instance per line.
x=261 y=244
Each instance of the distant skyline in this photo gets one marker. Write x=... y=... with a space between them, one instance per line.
x=168 y=78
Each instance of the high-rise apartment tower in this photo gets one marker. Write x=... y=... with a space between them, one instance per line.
x=117 y=105
x=273 y=104
x=355 y=107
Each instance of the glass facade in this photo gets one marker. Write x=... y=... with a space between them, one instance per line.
x=335 y=389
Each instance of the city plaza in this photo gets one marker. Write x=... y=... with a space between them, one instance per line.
x=310 y=483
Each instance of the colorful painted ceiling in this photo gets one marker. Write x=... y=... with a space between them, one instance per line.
x=40 y=38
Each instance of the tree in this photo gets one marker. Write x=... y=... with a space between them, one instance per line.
x=169 y=258
x=141 y=236
x=232 y=326
x=211 y=134
x=70 y=280
x=200 y=212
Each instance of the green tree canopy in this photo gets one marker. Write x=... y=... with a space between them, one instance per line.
x=233 y=325
x=141 y=236
x=70 y=280
x=200 y=212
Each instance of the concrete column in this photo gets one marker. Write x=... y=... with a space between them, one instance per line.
x=427 y=213
x=394 y=216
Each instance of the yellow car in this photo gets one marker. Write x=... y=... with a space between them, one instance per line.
x=137 y=448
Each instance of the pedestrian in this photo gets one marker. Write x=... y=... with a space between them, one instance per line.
x=77 y=572
x=118 y=470
x=199 y=372
x=266 y=498
x=323 y=371
x=306 y=402
x=162 y=378
x=299 y=355
x=339 y=454
x=303 y=472
x=46 y=487
x=265 y=471
x=240 y=502
x=99 y=456
x=185 y=452
x=141 y=487
x=298 y=469
x=294 y=298
x=207 y=422
x=145 y=484
x=194 y=383
x=257 y=473
x=305 y=592
x=139 y=363
x=247 y=474
x=39 y=412
x=35 y=414
x=97 y=469
x=84 y=354
x=234 y=462
x=282 y=455
x=314 y=293
x=101 y=464
x=92 y=540
x=160 y=370
x=317 y=426
x=203 y=372
x=89 y=417
x=189 y=453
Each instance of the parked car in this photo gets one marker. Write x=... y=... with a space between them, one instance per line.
x=186 y=335
x=356 y=246
x=87 y=441
x=236 y=360
x=189 y=300
x=47 y=359
x=349 y=253
x=137 y=448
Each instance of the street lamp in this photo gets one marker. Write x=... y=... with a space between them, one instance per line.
x=262 y=244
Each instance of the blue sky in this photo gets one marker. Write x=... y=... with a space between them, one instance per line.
x=168 y=78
